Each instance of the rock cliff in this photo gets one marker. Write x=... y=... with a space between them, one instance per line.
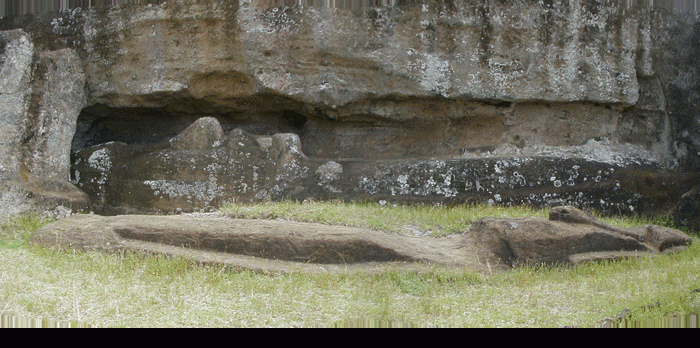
x=189 y=104
x=41 y=96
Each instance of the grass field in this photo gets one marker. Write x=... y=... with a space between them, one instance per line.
x=128 y=290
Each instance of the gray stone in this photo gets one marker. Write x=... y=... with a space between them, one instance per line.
x=16 y=68
x=193 y=171
x=41 y=96
x=47 y=197
x=59 y=84
x=419 y=102
x=204 y=134
x=288 y=157
x=238 y=140
x=547 y=180
x=328 y=175
x=246 y=167
x=329 y=172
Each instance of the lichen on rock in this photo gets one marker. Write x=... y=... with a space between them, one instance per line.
x=514 y=102
x=41 y=96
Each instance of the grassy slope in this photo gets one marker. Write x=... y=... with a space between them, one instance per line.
x=133 y=291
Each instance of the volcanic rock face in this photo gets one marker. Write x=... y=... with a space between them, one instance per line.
x=188 y=104
x=41 y=96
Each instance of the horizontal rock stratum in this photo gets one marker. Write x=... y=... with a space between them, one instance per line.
x=219 y=50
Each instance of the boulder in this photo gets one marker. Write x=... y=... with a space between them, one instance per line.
x=50 y=198
x=204 y=134
x=568 y=236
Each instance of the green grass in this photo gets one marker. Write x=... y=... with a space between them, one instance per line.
x=436 y=220
x=15 y=231
x=129 y=290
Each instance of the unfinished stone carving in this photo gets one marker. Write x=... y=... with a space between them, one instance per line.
x=260 y=245
x=200 y=168
x=569 y=236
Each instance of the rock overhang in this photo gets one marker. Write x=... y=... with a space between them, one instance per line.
x=332 y=56
x=419 y=83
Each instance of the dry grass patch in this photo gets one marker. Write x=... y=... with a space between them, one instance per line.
x=130 y=290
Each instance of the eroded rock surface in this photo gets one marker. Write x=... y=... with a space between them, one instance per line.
x=41 y=95
x=568 y=236
x=198 y=169
x=203 y=167
x=504 y=102
x=277 y=246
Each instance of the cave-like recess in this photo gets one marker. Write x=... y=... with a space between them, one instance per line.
x=354 y=132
